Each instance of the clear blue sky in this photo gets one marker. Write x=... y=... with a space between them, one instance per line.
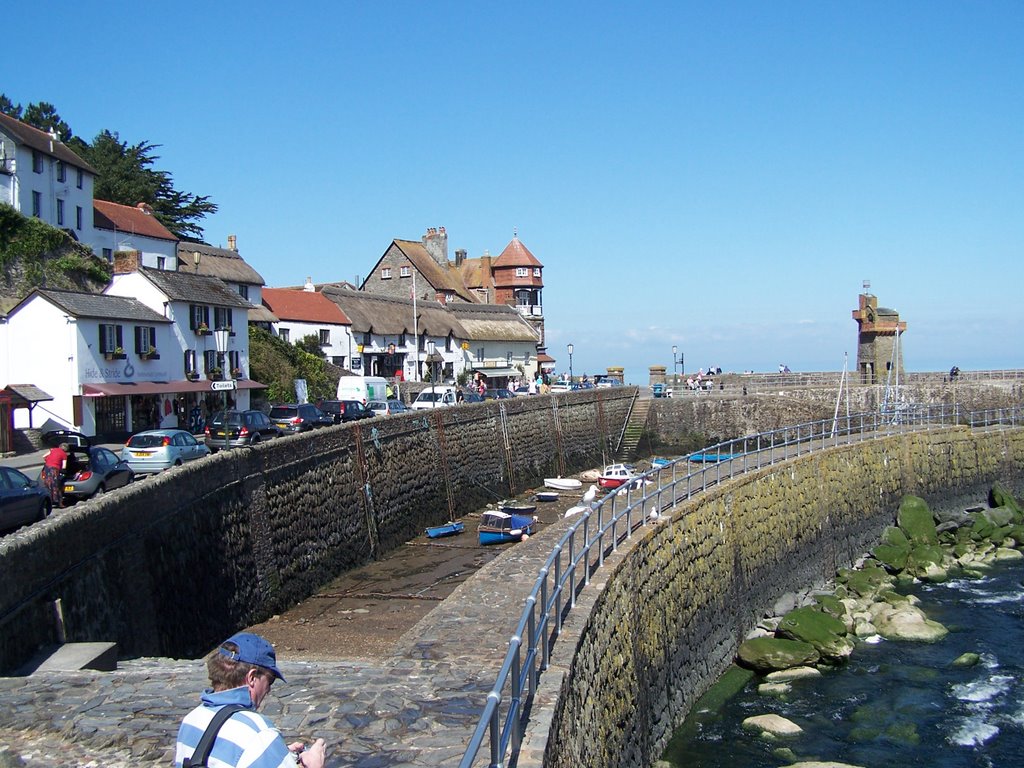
x=719 y=176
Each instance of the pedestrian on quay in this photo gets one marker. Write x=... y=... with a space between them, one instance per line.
x=54 y=465
x=241 y=672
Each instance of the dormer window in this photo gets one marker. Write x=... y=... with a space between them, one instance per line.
x=522 y=272
x=385 y=273
x=536 y=271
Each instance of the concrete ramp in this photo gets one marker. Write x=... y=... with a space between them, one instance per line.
x=73 y=657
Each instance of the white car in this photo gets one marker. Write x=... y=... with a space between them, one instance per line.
x=436 y=397
x=387 y=407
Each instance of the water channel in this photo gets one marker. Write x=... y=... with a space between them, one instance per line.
x=894 y=703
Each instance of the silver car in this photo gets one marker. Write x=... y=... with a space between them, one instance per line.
x=158 y=449
x=387 y=407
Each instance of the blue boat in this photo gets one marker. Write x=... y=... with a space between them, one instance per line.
x=711 y=458
x=658 y=461
x=501 y=527
x=448 y=529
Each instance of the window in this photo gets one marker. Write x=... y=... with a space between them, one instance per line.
x=401 y=340
x=62 y=171
x=190 y=361
x=60 y=212
x=522 y=272
x=405 y=272
x=210 y=360
x=222 y=317
x=325 y=337
x=80 y=177
x=536 y=271
x=160 y=262
x=235 y=359
x=385 y=273
x=449 y=298
x=198 y=316
x=243 y=291
x=338 y=361
x=145 y=339
x=284 y=334
x=108 y=254
x=479 y=354
x=508 y=359
x=367 y=339
x=449 y=343
x=37 y=161
x=78 y=217
x=37 y=204
x=110 y=338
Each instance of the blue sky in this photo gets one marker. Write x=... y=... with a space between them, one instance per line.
x=722 y=177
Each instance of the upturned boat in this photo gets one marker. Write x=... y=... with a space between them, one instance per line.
x=563 y=483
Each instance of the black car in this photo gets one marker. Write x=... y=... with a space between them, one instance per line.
x=22 y=500
x=93 y=471
x=343 y=411
x=292 y=418
x=55 y=437
x=498 y=394
x=242 y=428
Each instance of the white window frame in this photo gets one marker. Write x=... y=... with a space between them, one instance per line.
x=385 y=273
x=405 y=272
x=522 y=272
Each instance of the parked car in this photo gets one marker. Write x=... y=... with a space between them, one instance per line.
x=93 y=470
x=387 y=407
x=521 y=391
x=243 y=428
x=342 y=411
x=158 y=449
x=55 y=437
x=560 y=386
x=468 y=396
x=435 y=397
x=293 y=418
x=22 y=500
x=498 y=393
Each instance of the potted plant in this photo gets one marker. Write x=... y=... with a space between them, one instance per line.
x=151 y=354
x=203 y=330
x=230 y=330
x=192 y=375
x=117 y=354
x=236 y=373
x=214 y=374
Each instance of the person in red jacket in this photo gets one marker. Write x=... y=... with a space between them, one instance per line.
x=53 y=473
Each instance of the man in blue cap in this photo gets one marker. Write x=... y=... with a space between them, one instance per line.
x=241 y=672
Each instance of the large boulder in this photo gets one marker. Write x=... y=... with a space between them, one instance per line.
x=905 y=622
x=915 y=519
x=894 y=549
x=866 y=581
x=775 y=725
x=768 y=654
x=825 y=632
x=1000 y=497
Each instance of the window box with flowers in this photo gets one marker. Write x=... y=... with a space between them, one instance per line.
x=151 y=354
x=230 y=330
x=192 y=375
x=203 y=330
x=237 y=373
x=214 y=374
x=116 y=354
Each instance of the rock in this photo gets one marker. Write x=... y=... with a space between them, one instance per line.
x=767 y=654
x=968 y=659
x=998 y=516
x=1005 y=553
x=867 y=581
x=934 y=573
x=906 y=623
x=915 y=519
x=793 y=673
x=825 y=632
x=820 y=764
x=1000 y=497
x=773 y=689
x=772 y=724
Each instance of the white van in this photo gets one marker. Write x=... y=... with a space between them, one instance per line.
x=362 y=388
x=437 y=397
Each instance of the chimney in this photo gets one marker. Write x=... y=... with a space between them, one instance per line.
x=146 y=208
x=126 y=262
x=436 y=243
x=308 y=286
x=232 y=243
x=460 y=256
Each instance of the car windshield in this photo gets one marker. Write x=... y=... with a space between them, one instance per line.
x=234 y=419
x=430 y=397
x=146 y=441
x=283 y=412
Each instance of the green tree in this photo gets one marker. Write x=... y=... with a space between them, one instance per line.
x=277 y=364
x=311 y=344
x=44 y=117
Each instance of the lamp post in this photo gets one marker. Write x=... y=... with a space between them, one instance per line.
x=675 y=362
x=570 y=364
x=220 y=338
x=431 y=348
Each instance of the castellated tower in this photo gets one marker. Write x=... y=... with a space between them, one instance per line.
x=880 y=332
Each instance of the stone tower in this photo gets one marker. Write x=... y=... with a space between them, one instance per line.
x=877 y=329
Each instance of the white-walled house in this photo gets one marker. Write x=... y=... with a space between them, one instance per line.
x=228 y=266
x=500 y=343
x=40 y=176
x=77 y=346
x=302 y=313
x=127 y=228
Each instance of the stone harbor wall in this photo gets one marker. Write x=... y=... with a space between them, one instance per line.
x=172 y=564
x=665 y=616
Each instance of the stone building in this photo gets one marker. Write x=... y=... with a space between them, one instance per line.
x=879 y=340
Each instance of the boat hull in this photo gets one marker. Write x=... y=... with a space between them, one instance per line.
x=518 y=509
x=547 y=496
x=563 y=483
x=449 y=529
x=493 y=530
x=611 y=482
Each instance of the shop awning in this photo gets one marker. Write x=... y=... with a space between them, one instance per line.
x=159 y=387
x=497 y=373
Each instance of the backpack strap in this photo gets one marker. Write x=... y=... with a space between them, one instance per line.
x=205 y=745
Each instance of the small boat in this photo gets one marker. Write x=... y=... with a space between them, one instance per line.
x=517 y=508
x=711 y=458
x=448 y=529
x=563 y=483
x=615 y=475
x=501 y=527
x=658 y=461
x=546 y=496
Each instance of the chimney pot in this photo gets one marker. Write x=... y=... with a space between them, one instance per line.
x=232 y=243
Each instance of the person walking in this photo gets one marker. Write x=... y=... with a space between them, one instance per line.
x=241 y=671
x=54 y=464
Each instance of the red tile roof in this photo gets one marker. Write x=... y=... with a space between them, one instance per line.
x=303 y=306
x=125 y=218
x=516 y=255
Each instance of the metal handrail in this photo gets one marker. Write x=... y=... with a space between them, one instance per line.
x=600 y=530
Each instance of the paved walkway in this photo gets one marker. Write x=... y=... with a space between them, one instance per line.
x=417 y=708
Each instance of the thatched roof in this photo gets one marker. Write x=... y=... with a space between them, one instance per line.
x=371 y=313
x=222 y=263
x=493 y=322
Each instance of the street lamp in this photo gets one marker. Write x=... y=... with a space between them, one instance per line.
x=675 y=362
x=570 y=364
x=431 y=348
x=220 y=338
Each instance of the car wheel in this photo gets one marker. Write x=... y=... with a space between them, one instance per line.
x=45 y=509
x=255 y=439
x=100 y=490
x=177 y=462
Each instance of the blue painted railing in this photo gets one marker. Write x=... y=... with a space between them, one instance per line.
x=599 y=530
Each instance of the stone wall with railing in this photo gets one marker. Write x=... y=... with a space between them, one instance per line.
x=171 y=564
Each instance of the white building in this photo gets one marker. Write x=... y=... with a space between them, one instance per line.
x=124 y=228
x=302 y=313
x=500 y=343
x=41 y=177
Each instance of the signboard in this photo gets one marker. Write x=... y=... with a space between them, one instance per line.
x=223 y=386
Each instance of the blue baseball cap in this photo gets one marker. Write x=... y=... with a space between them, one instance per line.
x=253 y=649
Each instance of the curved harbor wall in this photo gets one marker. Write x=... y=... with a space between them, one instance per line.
x=664 y=617
x=171 y=564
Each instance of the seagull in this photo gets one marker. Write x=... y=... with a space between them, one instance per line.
x=654 y=517
x=575 y=510
x=589 y=496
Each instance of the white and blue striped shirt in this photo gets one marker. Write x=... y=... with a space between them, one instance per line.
x=246 y=740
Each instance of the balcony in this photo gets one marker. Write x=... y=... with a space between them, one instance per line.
x=530 y=310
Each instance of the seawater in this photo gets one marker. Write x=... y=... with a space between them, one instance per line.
x=894 y=703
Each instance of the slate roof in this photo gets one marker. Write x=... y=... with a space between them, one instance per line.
x=442 y=278
x=370 y=313
x=222 y=263
x=493 y=322
x=303 y=306
x=96 y=305
x=23 y=133
x=125 y=218
x=24 y=395
x=195 y=289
